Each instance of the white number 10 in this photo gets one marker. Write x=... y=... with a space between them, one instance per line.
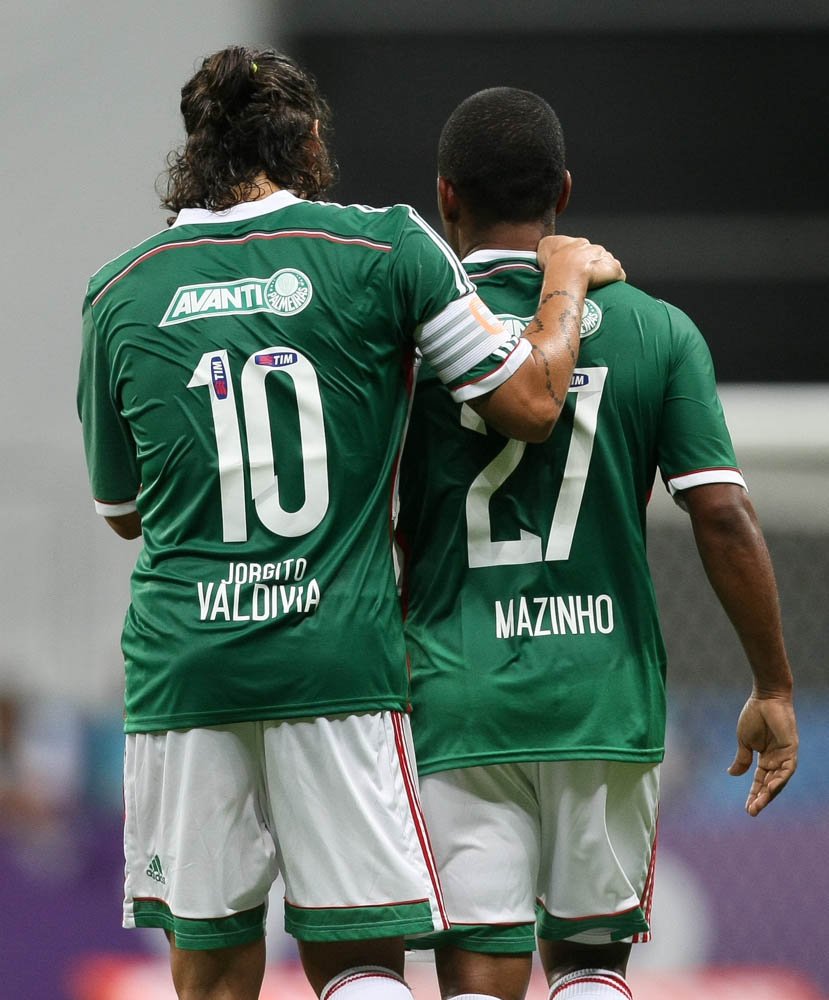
x=588 y=384
x=213 y=370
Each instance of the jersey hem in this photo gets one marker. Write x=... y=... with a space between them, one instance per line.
x=266 y=713
x=654 y=755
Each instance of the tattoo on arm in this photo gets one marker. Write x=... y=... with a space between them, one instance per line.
x=568 y=321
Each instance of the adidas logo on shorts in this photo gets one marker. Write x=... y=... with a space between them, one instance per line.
x=154 y=870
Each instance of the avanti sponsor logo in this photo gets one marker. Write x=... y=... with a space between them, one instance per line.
x=591 y=318
x=285 y=293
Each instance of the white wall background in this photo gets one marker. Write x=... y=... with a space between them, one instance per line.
x=89 y=111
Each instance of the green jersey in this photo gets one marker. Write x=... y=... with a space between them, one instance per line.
x=245 y=385
x=530 y=614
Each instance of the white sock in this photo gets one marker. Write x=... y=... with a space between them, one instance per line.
x=367 y=982
x=473 y=996
x=591 y=984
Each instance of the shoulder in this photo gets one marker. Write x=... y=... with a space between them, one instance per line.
x=625 y=303
x=389 y=222
x=125 y=261
x=623 y=296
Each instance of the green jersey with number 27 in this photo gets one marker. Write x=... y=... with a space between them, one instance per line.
x=245 y=384
x=531 y=621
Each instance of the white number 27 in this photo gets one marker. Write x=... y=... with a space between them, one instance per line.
x=588 y=385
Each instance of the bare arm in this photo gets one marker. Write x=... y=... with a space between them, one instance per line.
x=126 y=525
x=528 y=405
x=739 y=568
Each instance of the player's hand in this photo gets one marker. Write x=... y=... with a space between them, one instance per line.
x=767 y=726
x=563 y=253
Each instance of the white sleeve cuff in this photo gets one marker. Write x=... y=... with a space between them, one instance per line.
x=510 y=365
x=676 y=484
x=115 y=509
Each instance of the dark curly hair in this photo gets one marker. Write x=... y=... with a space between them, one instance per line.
x=503 y=149
x=248 y=113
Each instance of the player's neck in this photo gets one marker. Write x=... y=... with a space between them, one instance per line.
x=262 y=187
x=503 y=236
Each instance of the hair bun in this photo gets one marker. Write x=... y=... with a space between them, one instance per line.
x=227 y=82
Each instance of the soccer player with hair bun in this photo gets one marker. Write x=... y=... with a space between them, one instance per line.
x=537 y=660
x=244 y=388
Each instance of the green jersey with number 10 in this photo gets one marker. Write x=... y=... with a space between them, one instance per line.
x=245 y=384
x=531 y=621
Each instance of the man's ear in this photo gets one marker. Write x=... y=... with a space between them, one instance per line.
x=447 y=200
x=566 y=189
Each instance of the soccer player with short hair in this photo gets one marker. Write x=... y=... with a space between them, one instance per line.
x=537 y=660
x=245 y=383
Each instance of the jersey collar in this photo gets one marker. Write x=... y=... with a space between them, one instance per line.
x=486 y=256
x=237 y=213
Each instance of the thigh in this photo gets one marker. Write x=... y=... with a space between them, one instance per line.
x=199 y=857
x=598 y=837
x=353 y=846
x=485 y=831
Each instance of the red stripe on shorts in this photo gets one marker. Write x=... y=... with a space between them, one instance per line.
x=417 y=812
x=647 y=895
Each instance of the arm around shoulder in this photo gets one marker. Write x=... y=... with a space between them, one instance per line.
x=529 y=403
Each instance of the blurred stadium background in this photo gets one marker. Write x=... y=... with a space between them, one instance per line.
x=697 y=139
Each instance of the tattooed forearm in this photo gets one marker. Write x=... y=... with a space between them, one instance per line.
x=551 y=392
x=569 y=321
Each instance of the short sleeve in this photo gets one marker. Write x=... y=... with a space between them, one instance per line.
x=694 y=445
x=469 y=348
x=108 y=443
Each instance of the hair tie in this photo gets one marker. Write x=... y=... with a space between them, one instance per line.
x=254 y=68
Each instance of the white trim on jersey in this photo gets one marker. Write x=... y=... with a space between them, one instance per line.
x=236 y=213
x=115 y=509
x=701 y=477
x=462 y=282
x=487 y=256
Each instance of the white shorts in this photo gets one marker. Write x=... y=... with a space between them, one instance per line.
x=214 y=814
x=575 y=837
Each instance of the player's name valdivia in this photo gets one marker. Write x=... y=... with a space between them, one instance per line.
x=258 y=602
x=575 y=614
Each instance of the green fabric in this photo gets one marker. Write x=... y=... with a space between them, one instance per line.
x=621 y=926
x=201 y=935
x=487 y=939
x=531 y=620
x=283 y=345
x=354 y=924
